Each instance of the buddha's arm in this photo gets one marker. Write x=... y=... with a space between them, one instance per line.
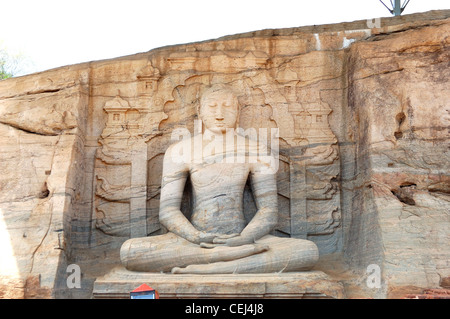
x=264 y=187
x=172 y=187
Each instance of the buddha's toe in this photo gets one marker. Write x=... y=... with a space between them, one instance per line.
x=177 y=270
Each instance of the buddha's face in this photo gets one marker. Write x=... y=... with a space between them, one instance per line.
x=219 y=111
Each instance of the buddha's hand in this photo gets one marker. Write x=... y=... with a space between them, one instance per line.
x=204 y=238
x=228 y=240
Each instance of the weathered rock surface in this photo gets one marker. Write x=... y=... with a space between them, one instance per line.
x=313 y=284
x=398 y=92
x=363 y=119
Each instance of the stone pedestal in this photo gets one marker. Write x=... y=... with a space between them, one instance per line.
x=312 y=284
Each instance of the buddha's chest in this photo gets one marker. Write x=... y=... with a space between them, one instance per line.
x=219 y=178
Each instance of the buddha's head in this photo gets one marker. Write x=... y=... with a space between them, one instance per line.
x=219 y=109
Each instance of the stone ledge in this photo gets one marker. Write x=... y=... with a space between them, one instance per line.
x=312 y=284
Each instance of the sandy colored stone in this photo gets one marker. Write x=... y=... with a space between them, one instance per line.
x=363 y=173
x=314 y=284
x=402 y=125
x=216 y=237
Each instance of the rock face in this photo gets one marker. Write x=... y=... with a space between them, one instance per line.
x=363 y=121
x=400 y=118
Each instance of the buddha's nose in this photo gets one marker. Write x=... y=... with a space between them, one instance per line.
x=219 y=114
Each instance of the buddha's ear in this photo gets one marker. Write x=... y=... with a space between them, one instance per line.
x=238 y=116
x=238 y=113
x=198 y=109
x=198 y=102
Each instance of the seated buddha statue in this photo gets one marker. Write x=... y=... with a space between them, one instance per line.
x=216 y=239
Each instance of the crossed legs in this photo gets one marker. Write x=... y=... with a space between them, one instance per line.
x=170 y=253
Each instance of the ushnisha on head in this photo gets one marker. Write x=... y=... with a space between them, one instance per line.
x=219 y=108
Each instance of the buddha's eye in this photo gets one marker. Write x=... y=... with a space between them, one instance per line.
x=213 y=105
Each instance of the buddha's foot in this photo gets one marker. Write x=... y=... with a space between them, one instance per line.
x=222 y=254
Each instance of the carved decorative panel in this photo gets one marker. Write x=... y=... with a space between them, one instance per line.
x=285 y=98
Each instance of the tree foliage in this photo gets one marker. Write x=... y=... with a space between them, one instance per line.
x=10 y=64
x=5 y=61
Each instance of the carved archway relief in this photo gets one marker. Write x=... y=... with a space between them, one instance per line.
x=309 y=157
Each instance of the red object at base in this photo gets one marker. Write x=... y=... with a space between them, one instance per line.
x=141 y=291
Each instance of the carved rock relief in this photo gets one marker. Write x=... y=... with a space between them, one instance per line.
x=121 y=159
x=135 y=138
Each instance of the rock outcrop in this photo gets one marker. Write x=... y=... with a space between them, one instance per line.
x=364 y=127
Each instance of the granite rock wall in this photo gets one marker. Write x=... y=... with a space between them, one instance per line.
x=363 y=121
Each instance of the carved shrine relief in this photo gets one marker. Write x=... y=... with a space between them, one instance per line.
x=129 y=160
x=121 y=160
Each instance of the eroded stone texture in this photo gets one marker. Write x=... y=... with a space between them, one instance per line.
x=363 y=172
x=311 y=284
x=401 y=112
x=216 y=236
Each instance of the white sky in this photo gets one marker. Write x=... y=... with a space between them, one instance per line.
x=53 y=33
